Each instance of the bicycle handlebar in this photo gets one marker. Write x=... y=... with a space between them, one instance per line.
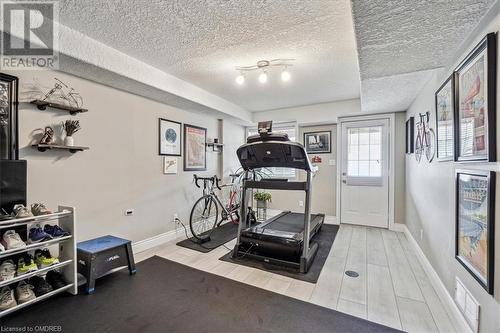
x=214 y=179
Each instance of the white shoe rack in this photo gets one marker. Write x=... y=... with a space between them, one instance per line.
x=65 y=218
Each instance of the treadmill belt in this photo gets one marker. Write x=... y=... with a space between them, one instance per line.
x=291 y=222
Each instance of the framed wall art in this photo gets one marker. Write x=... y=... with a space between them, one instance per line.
x=318 y=142
x=475 y=103
x=9 y=87
x=195 y=154
x=475 y=216
x=410 y=135
x=444 y=99
x=170 y=165
x=169 y=137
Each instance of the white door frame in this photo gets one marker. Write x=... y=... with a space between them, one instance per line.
x=392 y=131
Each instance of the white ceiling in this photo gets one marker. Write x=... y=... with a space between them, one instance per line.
x=202 y=41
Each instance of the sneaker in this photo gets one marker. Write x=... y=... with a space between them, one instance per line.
x=41 y=286
x=24 y=292
x=2 y=248
x=7 y=270
x=44 y=259
x=55 y=279
x=39 y=209
x=37 y=234
x=7 y=299
x=55 y=231
x=25 y=265
x=12 y=240
x=20 y=211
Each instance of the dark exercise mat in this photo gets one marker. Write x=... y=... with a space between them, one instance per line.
x=221 y=235
x=165 y=296
x=324 y=239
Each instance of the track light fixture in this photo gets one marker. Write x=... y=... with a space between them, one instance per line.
x=263 y=66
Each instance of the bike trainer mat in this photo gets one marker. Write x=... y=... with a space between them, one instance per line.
x=324 y=239
x=165 y=296
x=221 y=235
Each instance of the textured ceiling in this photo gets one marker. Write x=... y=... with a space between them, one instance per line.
x=202 y=41
x=398 y=41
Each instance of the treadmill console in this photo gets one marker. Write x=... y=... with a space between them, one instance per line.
x=265 y=127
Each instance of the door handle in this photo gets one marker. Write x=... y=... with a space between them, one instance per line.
x=344 y=181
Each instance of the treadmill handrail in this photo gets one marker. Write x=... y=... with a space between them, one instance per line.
x=277 y=185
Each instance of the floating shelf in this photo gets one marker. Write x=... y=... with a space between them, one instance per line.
x=72 y=149
x=42 y=105
x=217 y=147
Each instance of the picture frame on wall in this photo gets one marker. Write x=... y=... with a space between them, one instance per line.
x=474 y=230
x=410 y=136
x=318 y=142
x=169 y=137
x=195 y=153
x=170 y=165
x=445 y=128
x=475 y=103
x=9 y=102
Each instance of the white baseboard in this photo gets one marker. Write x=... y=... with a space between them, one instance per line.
x=329 y=219
x=446 y=299
x=398 y=227
x=151 y=242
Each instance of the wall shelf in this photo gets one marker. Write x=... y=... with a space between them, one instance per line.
x=217 y=147
x=42 y=105
x=72 y=149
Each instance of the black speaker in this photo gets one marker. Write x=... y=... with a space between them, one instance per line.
x=13 y=176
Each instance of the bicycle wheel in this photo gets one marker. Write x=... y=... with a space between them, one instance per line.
x=429 y=146
x=203 y=218
x=419 y=148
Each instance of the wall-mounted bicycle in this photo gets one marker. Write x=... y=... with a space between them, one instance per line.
x=425 y=141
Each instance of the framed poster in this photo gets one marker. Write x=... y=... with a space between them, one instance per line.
x=9 y=87
x=195 y=154
x=318 y=142
x=475 y=103
x=444 y=99
x=169 y=137
x=170 y=165
x=410 y=135
x=474 y=231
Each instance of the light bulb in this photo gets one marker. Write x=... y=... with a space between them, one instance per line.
x=285 y=76
x=240 y=79
x=263 y=77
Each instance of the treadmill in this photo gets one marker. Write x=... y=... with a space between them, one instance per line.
x=285 y=239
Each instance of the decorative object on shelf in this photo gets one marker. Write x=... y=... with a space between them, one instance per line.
x=475 y=89
x=169 y=137
x=410 y=135
x=195 y=154
x=425 y=141
x=48 y=136
x=63 y=94
x=9 y=98
x=475 y=215
x=216 y=145
x=445 y=135
x=170 y=165
x=262 y=199
x=316 y=159
x=71 y=149
x=70 y=127
x=318 y=142
x=263 y=66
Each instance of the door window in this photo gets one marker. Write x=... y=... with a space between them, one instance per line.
x=364 y=155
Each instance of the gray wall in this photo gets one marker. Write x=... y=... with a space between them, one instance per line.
x=430 y=207
x=122 y=169
x=399 y=168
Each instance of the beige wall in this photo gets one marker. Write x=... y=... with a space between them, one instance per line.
x=122 y=169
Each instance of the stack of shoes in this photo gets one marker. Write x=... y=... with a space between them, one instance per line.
x=55 y=279
x=7 y=270
x=55 y=231
x=25 y=265
x=37 y=235
x=41 y=287
x=44 y=259
x=12 y=240
x=24 y=292
x=39 y=209
x=20 y=212
x=7 y=299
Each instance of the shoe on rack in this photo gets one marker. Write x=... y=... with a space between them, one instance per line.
x=7 y=299
x=55 y=279
x=24 y=292
x=7 y=270
x=37 y=235
x=25 y=265
x=39 y=209
x=41 y=286
x=43 y=258
x=55 y=231
x=20 y=211
x=4 y=216
x=2 y=248
x=12 y=240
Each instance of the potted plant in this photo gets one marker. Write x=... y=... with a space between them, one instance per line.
x=70 y=127
x=262 y=199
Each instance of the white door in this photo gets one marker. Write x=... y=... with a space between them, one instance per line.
x=364 y=196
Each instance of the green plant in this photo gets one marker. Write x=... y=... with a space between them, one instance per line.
x=262 y=196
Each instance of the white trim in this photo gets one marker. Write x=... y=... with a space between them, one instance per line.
x=149 y=243
x=398 y=227
x=446 y=299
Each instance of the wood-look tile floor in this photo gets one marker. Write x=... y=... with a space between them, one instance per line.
x=392 y=288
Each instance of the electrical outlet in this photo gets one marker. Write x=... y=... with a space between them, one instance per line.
x=129 y=212
x=301 y=203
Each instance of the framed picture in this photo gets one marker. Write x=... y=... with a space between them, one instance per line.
x=475 y=103
x=195 y=154
x=410 y=135
x=169 y=137
x=475 y=215
x=9 y=91
x=318 y=142
x=170 y=165
x=445 y=135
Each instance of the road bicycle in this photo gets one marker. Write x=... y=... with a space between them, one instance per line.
x=425 y=141
x=57 y=92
